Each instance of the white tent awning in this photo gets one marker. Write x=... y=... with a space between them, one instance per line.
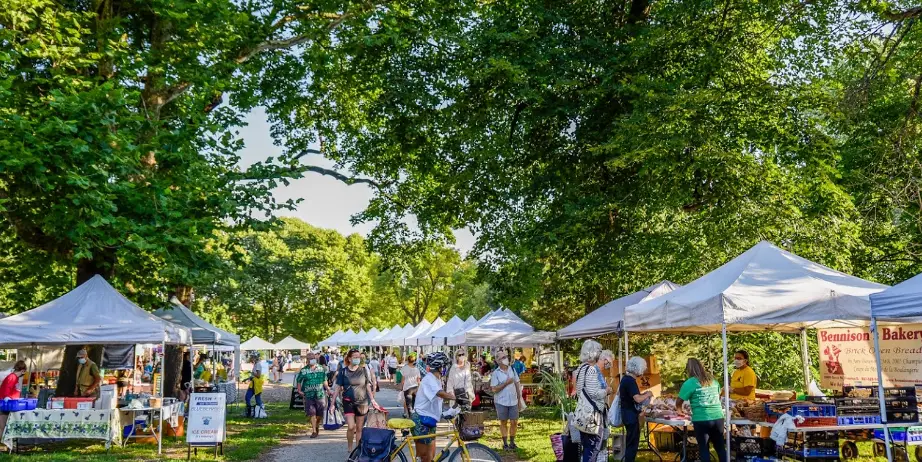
x=92 y=313
x=501 y=328
x=203 y=332
x=329 y=341
x=420 y=328
x=256 y=343
x=291 y=343
x=426 y=335
x=902 y=301
x=449 y=328
x=601 y=320
x=765 y=288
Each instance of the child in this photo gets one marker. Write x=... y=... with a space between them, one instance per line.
x=254 y=390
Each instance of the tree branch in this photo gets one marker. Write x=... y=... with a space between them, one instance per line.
x=341 y=177
x=910 y=13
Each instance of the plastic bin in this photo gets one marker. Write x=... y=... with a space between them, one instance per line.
x=71 y=403
x=16 y=405
x=859 y=420
x=745 y=446
x=897 y=435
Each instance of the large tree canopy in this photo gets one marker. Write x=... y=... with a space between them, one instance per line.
x=598 y=147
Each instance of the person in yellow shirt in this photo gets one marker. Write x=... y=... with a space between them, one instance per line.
x=255 y=390
x=743 y=382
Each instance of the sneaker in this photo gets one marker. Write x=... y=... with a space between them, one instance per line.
x=512 y=446
x=507 y=448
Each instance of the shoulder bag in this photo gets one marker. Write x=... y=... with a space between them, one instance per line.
x=588 y=417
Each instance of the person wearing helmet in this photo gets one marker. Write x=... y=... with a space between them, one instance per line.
x=428 y=408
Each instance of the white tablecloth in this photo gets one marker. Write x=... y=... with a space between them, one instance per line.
x=98 y=424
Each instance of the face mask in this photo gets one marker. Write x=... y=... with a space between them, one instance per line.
x=81 y=360
x=356 y=361
x=460 y=360
x=738 y=363
x=313 y=362
x=504 y=362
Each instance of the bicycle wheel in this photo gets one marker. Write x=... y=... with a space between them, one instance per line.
x=399 y=457
x=476 y=452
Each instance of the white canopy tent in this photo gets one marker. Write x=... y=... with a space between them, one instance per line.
x=373 y=341
x=365 y=340
x=426 y=333
x=599 y=321
x=765 y=288
x=203 y=332
x=420 y=328
x=502 y=328
x=94 y=313
x=291 y=343
x=450 y=327
x=396 y=336
x=349 y=340
x=255 y=344
x=329 y=341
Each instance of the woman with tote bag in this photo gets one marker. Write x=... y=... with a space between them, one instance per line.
x=591 y=393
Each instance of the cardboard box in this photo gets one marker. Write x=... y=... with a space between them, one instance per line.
x=651 y=382
x=652 y=365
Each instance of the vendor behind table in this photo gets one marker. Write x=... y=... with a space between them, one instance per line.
x=743 y=382
x=88 y=376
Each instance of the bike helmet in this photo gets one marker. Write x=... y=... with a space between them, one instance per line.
x=437 y=361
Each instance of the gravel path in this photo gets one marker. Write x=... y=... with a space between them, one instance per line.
x=329 y=446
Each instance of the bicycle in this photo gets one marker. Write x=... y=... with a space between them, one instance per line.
x=464 y=452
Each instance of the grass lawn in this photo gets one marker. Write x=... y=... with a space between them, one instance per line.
x=536 y=424
x=246 y=440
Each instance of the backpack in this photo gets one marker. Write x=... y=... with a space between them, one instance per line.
x=376 y=445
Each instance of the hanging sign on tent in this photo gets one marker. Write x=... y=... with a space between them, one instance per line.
x=847 y=356
x=206 y=418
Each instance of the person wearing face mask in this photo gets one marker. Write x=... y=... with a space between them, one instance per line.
x=460 y=380
x=88 y=376
x=357 y=391
x=312 y=385
x=744 y=381
x=504 y=384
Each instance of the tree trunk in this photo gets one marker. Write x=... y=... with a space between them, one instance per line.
x=172 y=370
x=102 y=263
x=184 y=295
x=68 y=379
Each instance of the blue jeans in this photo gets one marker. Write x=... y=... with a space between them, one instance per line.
x=250 y=394
x=592 y=445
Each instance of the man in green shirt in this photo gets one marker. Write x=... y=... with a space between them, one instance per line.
x=312 y=385
x=88 y=376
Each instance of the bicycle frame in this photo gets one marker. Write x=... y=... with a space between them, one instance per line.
x=455 y=437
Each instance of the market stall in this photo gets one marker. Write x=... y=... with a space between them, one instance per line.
x=329 y=341
x=425 y=334
x=765 y=288
x=450 y=327
x=206 y=335
x=92 y=314
x=902 y=302
x=440 y=337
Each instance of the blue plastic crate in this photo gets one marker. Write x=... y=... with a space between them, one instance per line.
x=804 y=410
x=897 y=435
x=814 y=452
x=859 y=420
x=16 y=405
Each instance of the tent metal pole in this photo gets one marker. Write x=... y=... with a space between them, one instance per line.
x=726 y=393
x=627 y=345
x=805 y=356
x=160 y=423
x=880 y=387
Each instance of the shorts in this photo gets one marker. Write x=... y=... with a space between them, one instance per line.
x=409 y=397
x=422 y=430
x=314 y=407
x=507 y=412
x=358 y=410
x=392 y=370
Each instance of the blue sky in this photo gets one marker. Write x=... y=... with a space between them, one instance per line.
x=328 y=203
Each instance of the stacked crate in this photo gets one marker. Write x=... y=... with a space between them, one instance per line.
x=813 y=446
x=745 y=448
x=858 y=411
x=814 y=415
x=901 y=403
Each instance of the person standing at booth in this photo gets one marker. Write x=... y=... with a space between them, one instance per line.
x=88 y=376
x=743 y=382
x=10 y=388
x=703 y=394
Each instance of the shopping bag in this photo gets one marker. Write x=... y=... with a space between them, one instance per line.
x=333 y=419
x=260 y=412
x=557 y=445
x=522 y=406
x=376 y=419
x=614 y=412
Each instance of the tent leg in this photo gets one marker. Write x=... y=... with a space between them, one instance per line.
x=880 y=388
x=805 y=355
x=726 y=393
x=160 y=423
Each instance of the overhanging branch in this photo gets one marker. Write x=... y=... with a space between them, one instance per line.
x=910 y=13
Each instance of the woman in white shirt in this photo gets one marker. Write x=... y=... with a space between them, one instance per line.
x=504 y=383
x=460 y=381
x=409 y=382
x=428 y=406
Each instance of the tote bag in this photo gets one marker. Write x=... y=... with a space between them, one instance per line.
x=614 y=413
x=588 y=418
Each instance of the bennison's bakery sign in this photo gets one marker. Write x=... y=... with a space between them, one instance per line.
x=847 y=356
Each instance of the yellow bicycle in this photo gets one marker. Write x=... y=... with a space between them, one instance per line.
x=457 y=449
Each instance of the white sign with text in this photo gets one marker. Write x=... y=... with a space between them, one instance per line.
x=206 y=418
x=847 y=356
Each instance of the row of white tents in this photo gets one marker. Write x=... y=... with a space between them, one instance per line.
x=496 y=328
x=286 y=344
